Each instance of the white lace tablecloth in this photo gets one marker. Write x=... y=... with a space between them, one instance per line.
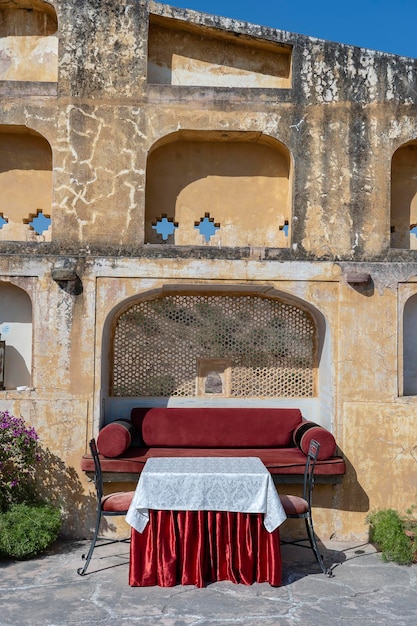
x=238 y=484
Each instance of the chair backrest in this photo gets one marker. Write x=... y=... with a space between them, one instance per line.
x=98 y=477
x=308 y=484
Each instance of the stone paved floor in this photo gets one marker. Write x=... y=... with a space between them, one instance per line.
x=364 y=591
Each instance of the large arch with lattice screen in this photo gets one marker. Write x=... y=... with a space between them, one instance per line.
x=237 y=346
x=201 y=346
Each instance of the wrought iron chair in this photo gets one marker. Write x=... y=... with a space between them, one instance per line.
x=297 y=507
x=111 y=505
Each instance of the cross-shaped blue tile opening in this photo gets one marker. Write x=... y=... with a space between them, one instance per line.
x=414 y=231
x=207 y=228
x=2 y=222
x=285 y=228
x=164 y=227
x=40 y=223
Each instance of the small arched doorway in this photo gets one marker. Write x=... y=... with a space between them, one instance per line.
x=16 y=331
x=404 y=197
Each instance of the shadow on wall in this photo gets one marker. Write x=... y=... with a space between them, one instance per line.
x=365 y=288
x=16 y=372
x=348 y=495
x=61 y=485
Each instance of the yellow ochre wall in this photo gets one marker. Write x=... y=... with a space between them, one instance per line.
x=301 y=150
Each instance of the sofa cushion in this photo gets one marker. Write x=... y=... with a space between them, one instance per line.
x=307 y=431
x=115 y=438
x=288 y=461
x=217 y=427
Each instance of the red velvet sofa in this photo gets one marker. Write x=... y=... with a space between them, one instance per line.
x=279 y=437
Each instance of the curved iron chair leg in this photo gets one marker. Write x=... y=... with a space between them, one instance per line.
x=82 y=570
x=313 y=542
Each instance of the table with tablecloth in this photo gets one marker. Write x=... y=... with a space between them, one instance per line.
x=197 y=520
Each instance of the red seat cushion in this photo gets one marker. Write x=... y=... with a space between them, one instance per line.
x=294 y=505
x=117 y=502
x=289 y=461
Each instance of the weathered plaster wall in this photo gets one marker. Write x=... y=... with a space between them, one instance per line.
x=103 y=48
x=380 y=444
x=340 y=114
x=343 y=117
x=29 y=58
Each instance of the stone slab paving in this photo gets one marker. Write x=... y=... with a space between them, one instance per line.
x=364 y=591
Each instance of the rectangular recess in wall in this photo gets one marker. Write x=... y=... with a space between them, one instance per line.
x=190 y=55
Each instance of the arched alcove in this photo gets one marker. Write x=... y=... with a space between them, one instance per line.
x=200 y=346
x=28 y=41
x=404 y=197
x=25 y=185
x=410 y=347
x=16 y=330
x=220 y=189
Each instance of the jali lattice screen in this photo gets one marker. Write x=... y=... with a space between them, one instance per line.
x=269 y=343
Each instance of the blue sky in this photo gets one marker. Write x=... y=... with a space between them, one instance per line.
x=385 y=25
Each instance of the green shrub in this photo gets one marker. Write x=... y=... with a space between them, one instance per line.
x=387 y=530
x=27 y=530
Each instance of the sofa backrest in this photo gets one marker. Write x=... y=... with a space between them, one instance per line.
x=210 y=427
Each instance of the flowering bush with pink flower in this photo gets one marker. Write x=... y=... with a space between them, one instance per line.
x=19 y=454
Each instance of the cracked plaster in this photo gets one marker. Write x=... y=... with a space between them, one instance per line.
x=345 y=113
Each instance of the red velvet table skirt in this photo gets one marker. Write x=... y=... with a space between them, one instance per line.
x=199 y=547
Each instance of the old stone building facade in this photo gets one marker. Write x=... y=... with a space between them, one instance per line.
x=194 y=210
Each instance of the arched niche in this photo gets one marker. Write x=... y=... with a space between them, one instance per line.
x=25 y=185
x=189 y=344
x=28 y=41
x=404 y=197
x=16 y=330
x=218 y=188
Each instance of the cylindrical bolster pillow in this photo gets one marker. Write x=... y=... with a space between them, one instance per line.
x=115 y=438
x=307 y=431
